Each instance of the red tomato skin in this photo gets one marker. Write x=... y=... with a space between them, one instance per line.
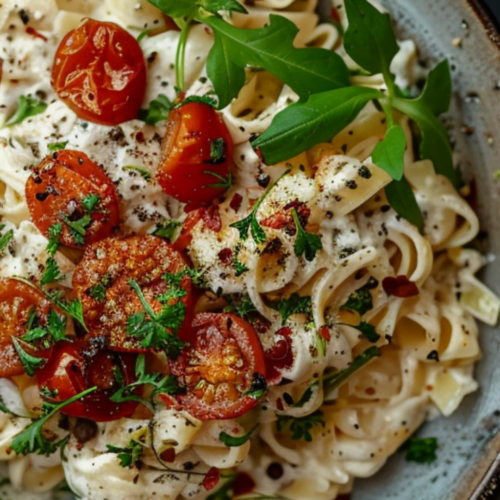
x=187 y=149
x=100 y=73
x=62 y=180
x=69 y=373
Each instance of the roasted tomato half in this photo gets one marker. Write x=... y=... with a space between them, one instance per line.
x=198 y=152
x=102 y=280
x=100 y=73
x=74 y=367
x=20 y=304
x=223 y=368
x=70 y=189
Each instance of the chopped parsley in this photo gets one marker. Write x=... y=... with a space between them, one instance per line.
x=55 y=331
x=28 y=106
x=158 y=110
x=225 y=182
x=420 y=450
x=5 y=238
x=139 y=170
x=306 y=244
x=361 y=300
x=73 y=308
x=295 y=304
x=239 y=267
x=242 y=306
x=300 y=427
x=57 y=146
x=78 y=228
x=130 y=455
x=234 y=441
x=52 y=273
x=368 y=331
x=54 y=238
x=30 y=363
x=167 y=229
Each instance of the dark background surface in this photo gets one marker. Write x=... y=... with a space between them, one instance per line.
x=494 y=6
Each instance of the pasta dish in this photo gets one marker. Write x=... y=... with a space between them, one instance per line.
x=236 y=258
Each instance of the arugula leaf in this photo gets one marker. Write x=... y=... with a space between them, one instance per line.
x=157 y=331
x=176 y=8
x=437 y=92
x=402 y=198
x=389 y=153
x=295 y=304
x=130 y=455
x=28 y=106
x=303 y=125
x=30 y=363
x=306 y=71
x=234 y=441
x=167 y=229
x=158 y=110
x=369 y=39
x=435 y=144
x=5 y=239
x=141 y=171
x=300 y=427
x=216 y=6
x=251 y=222
x=54 y=238
x=334 y=380
x=306 y=244
x=32 y=440
x=57 y=146
x=420 y=450
x=52 y=273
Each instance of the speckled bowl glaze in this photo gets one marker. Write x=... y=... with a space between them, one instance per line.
x=469 y=441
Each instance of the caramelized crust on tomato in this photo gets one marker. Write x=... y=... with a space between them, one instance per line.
x=18 y=301
x=58 y=186
x=220 y=367
x=101 y=281
x=100 y=73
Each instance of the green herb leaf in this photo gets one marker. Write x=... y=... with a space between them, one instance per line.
x=295 y=304
x=158 y=110
x=361 y=300
x=389 y=153
x=306 y=244
x=368 y=331
x=225 y=182
x=5 y=239
x=435 y=144
x=52 y=273
x=203 y=99
x=306 y=397
x=32 y=440
x=98 y=292
x=54 y=238
x=176 y=8
x=234 y=441
x=334 y=380
x=303 y=125
x=56 y=326
x=130 y=455
x=239 y=267
x=57 y=146
x=241 y=305
x=369 y=39
x=306 y=71
x=300 y=427
x=28 y=106
x=216 y=6
x=90 y=202
x=167 y=229
x=217 y=148
x=402 y=198
x=30 y=363
x=142 y=35
x=420 y=450
x=438 y=89
x=78 y=229
x=73 y=308
x=141 y=171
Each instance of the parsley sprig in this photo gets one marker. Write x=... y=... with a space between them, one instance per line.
x=306 y=244
x=5 y=238
x=300 y=427
x=420 y=450
x=30 y=363
x=130 y=455
x=295 y=304
x=32 y=439
x=78 y=228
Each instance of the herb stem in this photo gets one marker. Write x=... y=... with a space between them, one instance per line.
x=180 y=57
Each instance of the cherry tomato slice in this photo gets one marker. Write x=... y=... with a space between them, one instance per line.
x=18 y=302
x=219 y=367
x=101 y=281
x=64 y=189
x=72 y=369
x=100 y=73
x=198 y=152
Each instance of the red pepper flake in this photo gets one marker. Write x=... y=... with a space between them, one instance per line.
x=211 y=479
x=226 y=256
x=259 y=154
x=279 y=357
x=335 y=15
x=279 y=405
x=400 y=286
x=324 y=333
x=243 y=484
x=139 y=137
x=211 y=218
x=370 y=391
x=168 y=455
x=33 y=32
x=283 y=219
x=235 y=203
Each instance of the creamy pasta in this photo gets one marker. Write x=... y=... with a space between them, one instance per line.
x=428 y=342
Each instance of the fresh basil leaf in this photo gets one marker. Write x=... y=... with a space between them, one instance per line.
x=369 y=39
x=389 y=153
x=215 y=6
x=435 y=143
x=437 y=92
x=402 y=198
x=176 y=8
x=28 y=106
x=306 y=71
x=234 y=441
x=303 y=125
